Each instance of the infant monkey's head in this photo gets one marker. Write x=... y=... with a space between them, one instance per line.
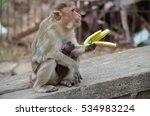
x=67 y=48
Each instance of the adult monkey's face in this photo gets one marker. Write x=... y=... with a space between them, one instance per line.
x=70 y=14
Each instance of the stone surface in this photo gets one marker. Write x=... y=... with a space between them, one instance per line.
x=23 y=67
x=124 y=74
x=7 y=67
x=14 y=83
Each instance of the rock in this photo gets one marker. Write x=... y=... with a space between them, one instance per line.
x=7 y=67
x=23 y=67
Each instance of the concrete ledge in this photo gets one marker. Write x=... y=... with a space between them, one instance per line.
x=111 y=76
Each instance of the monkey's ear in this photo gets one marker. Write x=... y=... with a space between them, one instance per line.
x=57 y=14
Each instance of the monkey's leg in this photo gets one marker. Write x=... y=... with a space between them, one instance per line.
x=45 y=74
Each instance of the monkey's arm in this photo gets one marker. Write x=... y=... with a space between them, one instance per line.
x=81 y=49
x=63 y=59
x=78 y=51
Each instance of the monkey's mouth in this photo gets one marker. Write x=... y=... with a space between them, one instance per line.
x=78 y=22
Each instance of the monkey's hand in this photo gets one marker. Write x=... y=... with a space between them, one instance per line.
x=78 y=78
x=90 y=47
x=75 y=76
x=74 y=81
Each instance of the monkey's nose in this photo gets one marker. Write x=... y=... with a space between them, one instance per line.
x=80 y=16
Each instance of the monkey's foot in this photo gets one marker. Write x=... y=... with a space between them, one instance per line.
x=50 y=88
x=66 y=83
x=46 y=89
x=69 y=83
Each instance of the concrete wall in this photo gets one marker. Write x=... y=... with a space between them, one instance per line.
x=119 y=75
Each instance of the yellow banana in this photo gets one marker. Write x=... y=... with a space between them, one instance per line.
x=103 y=43
x=102 y=35
x=92 y=38
x=97 y=36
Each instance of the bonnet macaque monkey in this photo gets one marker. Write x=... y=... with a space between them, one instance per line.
x=50 y=47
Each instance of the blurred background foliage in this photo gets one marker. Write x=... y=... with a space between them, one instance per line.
x=4 y=4
x=7 y=53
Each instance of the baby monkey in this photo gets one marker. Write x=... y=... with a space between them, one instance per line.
x=55 y=50
x=61 y=70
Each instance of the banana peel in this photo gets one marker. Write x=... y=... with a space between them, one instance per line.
x=97 y=36
x=107 y=44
